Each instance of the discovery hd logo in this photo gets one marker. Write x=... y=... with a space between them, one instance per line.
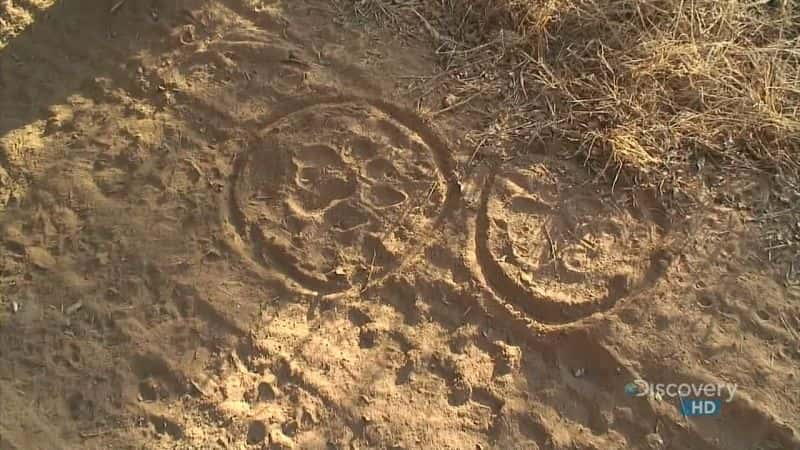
x=694 y=399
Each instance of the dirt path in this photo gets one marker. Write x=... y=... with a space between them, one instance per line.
x=227 y=224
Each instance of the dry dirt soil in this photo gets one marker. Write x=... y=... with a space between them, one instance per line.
x=227 y=224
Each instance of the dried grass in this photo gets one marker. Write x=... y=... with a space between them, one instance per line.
x=640 y=85
x=669 y=79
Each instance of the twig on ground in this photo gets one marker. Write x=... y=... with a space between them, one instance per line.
x=369 y=274
x=116 y=6
x=553 y=251
x=457 y=104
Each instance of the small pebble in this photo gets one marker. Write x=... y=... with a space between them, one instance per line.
x=73 y=308
x=279 y=440
x=449 y=100
x=654 y=441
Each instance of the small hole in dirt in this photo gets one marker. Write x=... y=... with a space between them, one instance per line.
x=290 y=428
x=256 y=432
x=762 y=314
x=662 y=322
x=265 y=392
x=404 y=374
x=326 y=304
x=80 y=407
x=15 y=247
x=618 y=286
x=533 y=428
x=368 y=337
x=358 y=318
x=487 y=398
x=148 y=391
x=146 y=365
x=60 y=360
x=629 y=316
x=500 y=223
x=76 y=353
x=167 y=426
x=705 y=300
x=459 y=394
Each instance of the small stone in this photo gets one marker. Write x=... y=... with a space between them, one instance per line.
x=206 y=384
x=307 y=416
x=278 y=440
x=509 y=358
x=53 y=124
x=234 y=408
x=654 y=441
x=14 y=307
x=40 y=258
x=102 y=258
x=579 y=372
x=73 y=308
x=449 y=100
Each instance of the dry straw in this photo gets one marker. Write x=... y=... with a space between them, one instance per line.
x=668 y=79
x=644 y=85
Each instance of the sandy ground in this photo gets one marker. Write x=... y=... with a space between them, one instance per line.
x=227 y=224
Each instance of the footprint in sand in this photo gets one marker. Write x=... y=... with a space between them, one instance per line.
x=338 y=193
x=559 y=253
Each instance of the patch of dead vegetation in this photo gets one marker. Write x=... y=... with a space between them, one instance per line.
x=14 y=18
x=686 y=96
x=644 y=84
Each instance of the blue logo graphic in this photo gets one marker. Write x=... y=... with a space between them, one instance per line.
x=632 y=389
x=694 y=399
x=692 y=407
